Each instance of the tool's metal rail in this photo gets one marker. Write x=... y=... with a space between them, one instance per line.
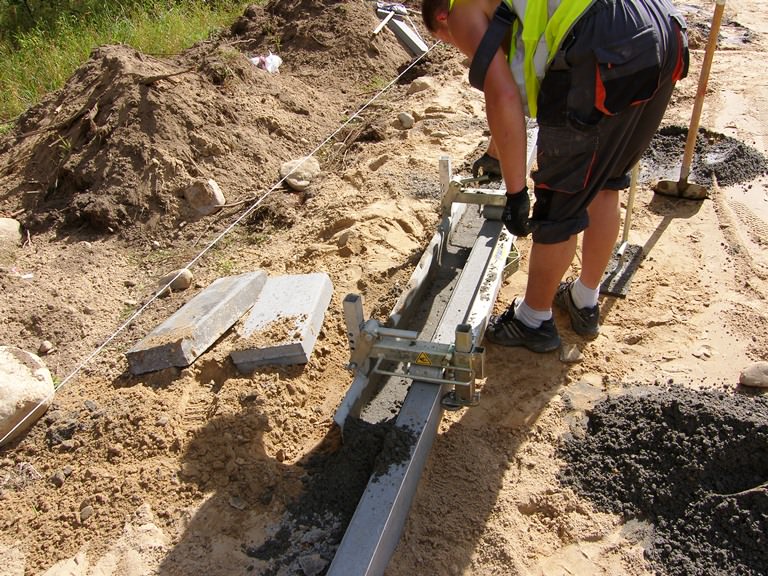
x=375 y=528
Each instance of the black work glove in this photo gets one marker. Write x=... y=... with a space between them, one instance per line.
x=486 y=165
x=515 y=214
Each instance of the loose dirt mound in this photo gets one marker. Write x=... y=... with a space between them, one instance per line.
x=97 y=173
x=129 y=133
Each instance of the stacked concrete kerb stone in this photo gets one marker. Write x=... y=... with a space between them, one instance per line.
x=183 y=337
x=188 y=333
x=300 y=302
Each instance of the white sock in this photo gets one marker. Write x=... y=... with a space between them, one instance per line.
x=582 y=296
x=530 y=317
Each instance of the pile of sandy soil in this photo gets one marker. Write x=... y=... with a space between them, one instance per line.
x=196 y=471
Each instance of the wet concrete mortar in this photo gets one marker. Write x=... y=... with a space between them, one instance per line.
x=310 y=531
x=728 y=160
x=693 y=465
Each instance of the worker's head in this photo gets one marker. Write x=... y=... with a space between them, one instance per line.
x=435 y=15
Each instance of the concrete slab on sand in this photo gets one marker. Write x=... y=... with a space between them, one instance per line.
x=199 y=323
x=283 y=324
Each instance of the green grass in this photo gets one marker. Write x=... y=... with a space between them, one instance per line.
x=226 y=267
x=375 y=83
x=43 y=59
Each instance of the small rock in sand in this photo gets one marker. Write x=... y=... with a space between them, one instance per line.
x=406 y=120
x=46 y=347
x=180 y=279
x=205 y=196
x=299 y=173
x=570 y=354
x=755 y=375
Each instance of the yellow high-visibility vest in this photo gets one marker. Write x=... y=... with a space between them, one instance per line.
x=536 y=38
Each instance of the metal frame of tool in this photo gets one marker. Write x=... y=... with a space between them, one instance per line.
x=376 y=349
x=375 y=528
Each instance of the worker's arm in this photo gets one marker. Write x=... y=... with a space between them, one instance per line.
x=506 y=119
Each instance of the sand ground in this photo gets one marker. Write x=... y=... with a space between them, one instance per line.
x=181 y=471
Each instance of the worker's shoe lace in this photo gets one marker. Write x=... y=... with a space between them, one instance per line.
x=507 y=330
x=584 y=321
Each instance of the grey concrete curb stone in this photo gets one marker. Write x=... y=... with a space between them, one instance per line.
x=283 y=324
x=183 y=337
x=407 y=36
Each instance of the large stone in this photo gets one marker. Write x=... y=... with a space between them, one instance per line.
x=755 y=375
x=183 y=337
x=10 y=240
x=26 y=391
x=205 y=196
x=180 y=279
x=10 y=231
x=299 y=173
x=283 y=325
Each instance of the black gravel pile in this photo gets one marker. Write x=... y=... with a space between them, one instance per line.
x=693 y=463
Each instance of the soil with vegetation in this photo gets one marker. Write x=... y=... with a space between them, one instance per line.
x=636 y=453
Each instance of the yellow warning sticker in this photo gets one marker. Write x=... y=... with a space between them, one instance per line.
x=423 y=359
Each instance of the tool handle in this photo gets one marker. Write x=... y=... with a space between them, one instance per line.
x=630 y=202
x=383 y=23
x=709 y=53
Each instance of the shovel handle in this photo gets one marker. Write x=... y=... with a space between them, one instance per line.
x=630 y=202
x=709 y=53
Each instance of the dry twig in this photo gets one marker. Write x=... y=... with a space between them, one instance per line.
x=759 y=488
x=147 y=80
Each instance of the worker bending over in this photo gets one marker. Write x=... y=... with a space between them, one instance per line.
x=597 y=75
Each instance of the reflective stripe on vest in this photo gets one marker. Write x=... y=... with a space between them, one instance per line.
x=545 y=26
x=535 y=44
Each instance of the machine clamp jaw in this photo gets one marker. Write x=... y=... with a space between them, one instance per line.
x=460 y=190
x=375 y=349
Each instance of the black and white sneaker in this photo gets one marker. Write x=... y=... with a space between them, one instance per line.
x=507 y=330
x=584 y=321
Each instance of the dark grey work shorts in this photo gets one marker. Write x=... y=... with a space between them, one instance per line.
x=600 y=104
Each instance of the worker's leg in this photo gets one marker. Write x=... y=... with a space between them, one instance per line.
x=491 y=150
x=600 y=237
x=547 y=265
x=528 y=321
x=579 y=298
